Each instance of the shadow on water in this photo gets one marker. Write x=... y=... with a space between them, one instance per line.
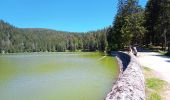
x=123 y=57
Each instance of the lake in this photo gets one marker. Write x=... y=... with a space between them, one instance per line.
x=56 y=76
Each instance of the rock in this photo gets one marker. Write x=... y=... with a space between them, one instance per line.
x=130 y=84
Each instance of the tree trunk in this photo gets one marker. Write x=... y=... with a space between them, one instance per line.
x=168 y=46
x=165 y=39
x=162 y=45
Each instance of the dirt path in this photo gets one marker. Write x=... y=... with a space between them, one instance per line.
x=160 y=64
x=157 y=62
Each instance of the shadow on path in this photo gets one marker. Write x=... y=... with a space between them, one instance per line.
x=162 y=56
x=139 y=49
x=168 y=61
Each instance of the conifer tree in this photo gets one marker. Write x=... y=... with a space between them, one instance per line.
x=127 y=25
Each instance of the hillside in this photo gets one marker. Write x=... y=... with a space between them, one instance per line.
x=14 y=39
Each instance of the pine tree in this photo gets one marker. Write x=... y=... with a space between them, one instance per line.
x=151 y=17
x=157 y=16
x=163 y=22
x=127 y=25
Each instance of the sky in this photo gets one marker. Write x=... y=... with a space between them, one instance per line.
x=64 y=15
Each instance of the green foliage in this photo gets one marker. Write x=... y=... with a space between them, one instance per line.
x=133 y=29
x=147 y=69
x=128 y=25
x=155 y=96
x=40 y=40
x=162 y=52
x=134 y=25
x=157 y=16
x=155 y=83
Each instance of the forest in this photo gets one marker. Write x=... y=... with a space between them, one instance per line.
x=132 y=25
x=147 y=27
x=41 y=40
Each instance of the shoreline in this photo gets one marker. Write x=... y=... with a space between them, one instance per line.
x=130 y=83
x=55 y=52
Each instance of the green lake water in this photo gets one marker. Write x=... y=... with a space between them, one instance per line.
x=56 y=76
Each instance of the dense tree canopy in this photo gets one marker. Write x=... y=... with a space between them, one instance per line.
x=135 y=25
x=157 y=16
x=39 y=40
x=128 y=25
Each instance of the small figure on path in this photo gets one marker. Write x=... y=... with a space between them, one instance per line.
x=134 y=51
x=130 y=49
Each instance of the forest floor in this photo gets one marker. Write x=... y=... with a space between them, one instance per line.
x=157 y=75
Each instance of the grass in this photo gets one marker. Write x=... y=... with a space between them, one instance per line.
x=155 y=96
x=155 y=83
x=147 y=69
x=162 y=52
x=155 y=87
